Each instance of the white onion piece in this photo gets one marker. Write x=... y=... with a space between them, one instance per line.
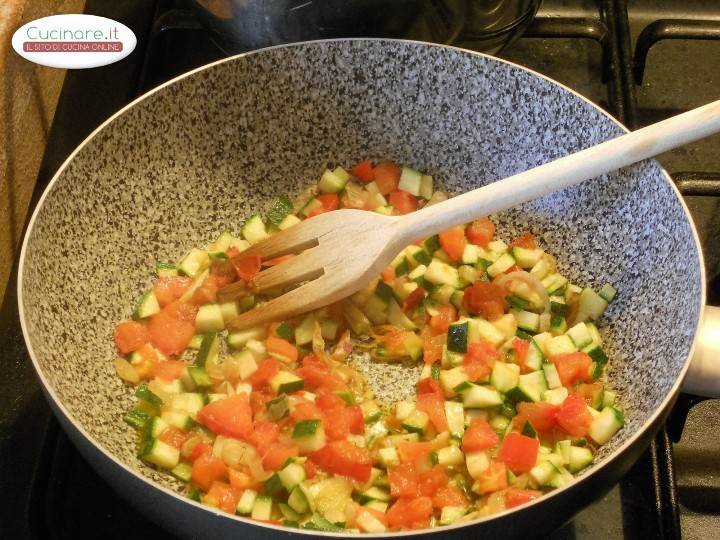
x=530 y=280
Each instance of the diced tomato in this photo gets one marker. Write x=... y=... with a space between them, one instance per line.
x=395 y=341
x=388 y=275
x=441 y=322
x=363 y=171
x=344 y=458
x=541 y=416
x=223 y=496
x=232 y=252
x=411 y=303
x=522 y=348
x=305 y=410
x=519 y=452
x=277 y=454
x=310 y=469
x=173 y=436
x=453 y=242
x=130 y=336
x=207 y=469
x=404 y=480
x=449 y=496
x=403 y=202
x=432 y=346
x=168 y=289
x=281 y=347
x=429 y=385
x=573 y=416
x=492 y=479
x=327 y=400
x=589 y=392
x=479 y=436
x=412 y=452
x=206 y=293
x=199 y=449
x=246 y=266
x=480 y=359
x=230 y=416
x=172 y=329
x=434 y=406
x=513 y=268
x=329 y=202
x=515 y=497
x=277 y=260
x=146 y=368
x=169 y=370
x=267 y=369
x=480 y=232
x=572 y=367
x=258 y=399
x=316 y=374
x=263 y=435
x=355 y=419
x=431 y=481
x=387 y=176
x=485 y=299
x=410 y=513
x=335 y=424
x=240 y=479
x=526 y=240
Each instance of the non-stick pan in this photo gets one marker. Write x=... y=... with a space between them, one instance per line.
x=200 y=154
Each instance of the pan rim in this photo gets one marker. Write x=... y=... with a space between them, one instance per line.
x=614 y=456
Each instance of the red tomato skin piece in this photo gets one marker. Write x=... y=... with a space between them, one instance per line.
x=479 y=436
x=515 y=497
x=387 y=176
x=403 y=202
x=345 y=459
x=130 y=336
x=172 y=329
x=363 y=171
x=453 y=242
x=231 y=416
x=573 y=416
x=434 y=406
x=480 y=232
x=519 y=452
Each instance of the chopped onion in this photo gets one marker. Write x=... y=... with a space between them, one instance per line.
x=126 y=371
x=530 y=280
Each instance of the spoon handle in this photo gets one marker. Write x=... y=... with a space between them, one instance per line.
x=560 y=173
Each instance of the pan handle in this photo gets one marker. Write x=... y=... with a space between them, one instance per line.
x=703 y=377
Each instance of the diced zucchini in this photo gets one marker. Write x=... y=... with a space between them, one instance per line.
x=591 y=305
x=543 y=473
x=166 y=269
x=441 y=273
x=262 y=508
x=558 y=325
x=554 y=282
x=506 y=325
x=309 y=435
x=278 y=408
x=209 y=317
x=410 y=181
x=450 y=456
x=331 y=182
x=505 y=376
x=527 y=320
x=558 y=306
x=416 y=422
x=209 y=348
x=159 y=453
x=560 y=345
x=329 y=329
x=606 y=425
x=189 y=402
x=426 y=187
x=137 y=418
x=199 y=377
x=562 y=449
x=442 y=294
x=580 y=334
x=389 y=457
x=607 y=292
x=432 y=244
x=403 y=409
x=194 y=262
x=195 y=342
x=526 y=258
x=246 y=363
x=291 y=475
x=455 y=414
x=281 y=208
x=368 y=523
x=147 y=306
x=286 y=383
x=181 y=420
x=417 y=255
x=182 y=471
x=450 y=514
x=305 y=330
x=477 y=463
x=288 y=222
x=229 y=311
x=556 y=396
x=551 y=376
x=608 y=398
x=299 y=499
x=374 y=494
x=144 y=393
x=253 y=230
x=237 y=340
x=399 y=438
x=371 y=411
x=579 y=458
x=397 y=317
x=501 y=265
x=470 y=254
x=457 y=337
x=450 y=379
x=480 y=397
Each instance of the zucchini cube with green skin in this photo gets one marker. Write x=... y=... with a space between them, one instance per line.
x=505 y=376
x=606 y=424
x=580 y=334
x=579 y=458
x=137 y=418
x=179 y=419
x=607 y=292
x=278 y=408
x=154 y=427
x=374 y=494
x=455 y=415
x=590 y=305
x=554 y=282
x=525 y=257
x=531 y=387
x=489 y=331
x=560 y=345
x=397 y=317
x=389 y=457
x=558 y=325
x=501 y=265
x=237 y=340
x=194 y=262
x=182 y=471
x=209 y=348
x=440 y=273
x=371 y=411
x=368 y=523
x=147 y=306
x=288 y=513
x=305 y=330
x=199 y=377
x=331 y=182
x=432 y=244
x=229 y=311
x=450 y=514
x=298 y=499
x=450 y=379
x=476 y=463
x=286 y=383
x=291 y=475
x=450 y=456
x=457 y=337
x=417 y=256
x=253 y=230
x=288 y=222
x=555 y=396
x=552 y=377
x=426 y=187
x=209 y=317
x=309 y=435
x=262 y=508
x=159 y=453
x=527 y=320
x=247 y=365
x=144 y=393
x=246 y=502
x=410 y=181
x=417 y=422
x=480 y=397
x=280 y=209
x=166 y=269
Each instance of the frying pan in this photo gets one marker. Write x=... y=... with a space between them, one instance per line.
x=203 y=152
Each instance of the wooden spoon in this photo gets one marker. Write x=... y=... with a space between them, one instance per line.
x=340 y=252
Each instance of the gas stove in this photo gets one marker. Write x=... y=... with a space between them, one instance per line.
x=642 y=60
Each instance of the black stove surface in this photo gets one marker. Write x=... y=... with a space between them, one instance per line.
x=49 y=491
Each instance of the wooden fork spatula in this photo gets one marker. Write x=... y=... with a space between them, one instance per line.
x=340 y=252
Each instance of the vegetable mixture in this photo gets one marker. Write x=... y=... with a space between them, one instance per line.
x=273 y=423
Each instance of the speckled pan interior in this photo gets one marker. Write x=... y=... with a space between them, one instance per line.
x=204 y=153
